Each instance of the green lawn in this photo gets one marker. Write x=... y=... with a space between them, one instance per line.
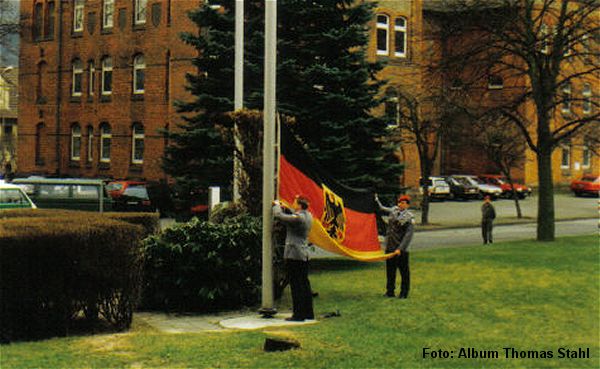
x=524 y=295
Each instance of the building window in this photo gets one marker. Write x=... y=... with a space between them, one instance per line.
x=495 y=82
x=107 y=76
x=137 y=144
x=544 y=39
x=91 y=78
x=587 y=98
x=78 y=16
x=392 y=108
x=105 y=142
x=75 y=142
x=457 y=84
x=400 y=37
x=383 y=40
x=566 y=98
x=587 y=156
x=49 y=23
x=37 y=21
x=40 y=82
x=90 y=144
x=77 y=77
x=565 y=161
x=140 y=11
x=139 y=66
x=108 y=11
x=39 y=131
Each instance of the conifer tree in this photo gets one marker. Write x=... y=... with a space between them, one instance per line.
x=323 y=80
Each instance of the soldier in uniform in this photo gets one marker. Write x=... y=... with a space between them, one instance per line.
x=399 y=234
x=298 y=222
x=488 y=214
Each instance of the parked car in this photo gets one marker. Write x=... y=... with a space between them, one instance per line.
x=499 y=180
x=116 y=188
x=589 y=184
x=67 y=193
x=460 y=188
x=13 y=197
x=438 y=188
x=485 y=189
x=134 y=197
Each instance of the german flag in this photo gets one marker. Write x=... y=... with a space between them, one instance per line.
x=344 y=220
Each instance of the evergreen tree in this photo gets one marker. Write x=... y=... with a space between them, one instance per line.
x=323 y=80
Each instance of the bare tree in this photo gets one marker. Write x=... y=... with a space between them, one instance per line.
x=421 y=120
x=503 y=144
x=540 y=51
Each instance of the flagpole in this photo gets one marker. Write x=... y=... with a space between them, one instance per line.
x=267 y=307
x=238 y=92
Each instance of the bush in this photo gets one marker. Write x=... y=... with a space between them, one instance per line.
x=55 y=268
x=204 y=266
x=149 y=221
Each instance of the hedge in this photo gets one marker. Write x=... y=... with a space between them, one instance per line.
x=54 y=269
x=149 y=221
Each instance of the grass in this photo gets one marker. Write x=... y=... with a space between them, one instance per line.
x=524 y=295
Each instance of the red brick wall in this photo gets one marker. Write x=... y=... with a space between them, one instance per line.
x=164 y=83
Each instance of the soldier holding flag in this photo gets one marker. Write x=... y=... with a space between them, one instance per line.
x=399 y=234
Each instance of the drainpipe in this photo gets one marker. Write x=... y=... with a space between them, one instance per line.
x=59 y=85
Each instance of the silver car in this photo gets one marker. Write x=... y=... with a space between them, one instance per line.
x=484 y=189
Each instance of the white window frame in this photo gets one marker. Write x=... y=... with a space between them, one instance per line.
x=91 y=78
x=78 y=15
x=77 y=75
x=108 y=13
x=401 y=29
x=75 y=137
x=566 y=97
x=107 y=69
x=139 y=65
x=135 y=137
x=90 y=144
x=565 y=148
x=587 y=98
x=385 y=27
x=140 y=11
x=105 y=135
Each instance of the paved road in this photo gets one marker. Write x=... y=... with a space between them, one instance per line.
x=472 y=236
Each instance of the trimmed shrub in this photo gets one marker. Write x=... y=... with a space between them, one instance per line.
x=204 y=266
x=149 y=221
x=55 y=268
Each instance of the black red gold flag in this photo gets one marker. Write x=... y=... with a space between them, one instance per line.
x=344 y=219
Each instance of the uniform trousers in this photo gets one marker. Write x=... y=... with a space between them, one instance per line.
x=486 y=230
x=399 y=262
x=301 y=292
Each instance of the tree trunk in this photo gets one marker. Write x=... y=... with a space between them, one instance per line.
x=515 y=197
x=425 y=204
x=545 y=220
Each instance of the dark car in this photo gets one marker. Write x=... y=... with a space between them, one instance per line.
x=460 y=188
x=134 y=198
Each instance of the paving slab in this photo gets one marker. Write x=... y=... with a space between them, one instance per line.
x=257 y=322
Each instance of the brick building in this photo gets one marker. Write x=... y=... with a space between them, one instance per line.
x=98 y=80
x=407 y=35
x=9 y=85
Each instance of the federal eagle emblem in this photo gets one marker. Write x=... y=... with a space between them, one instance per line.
x=334 y=215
